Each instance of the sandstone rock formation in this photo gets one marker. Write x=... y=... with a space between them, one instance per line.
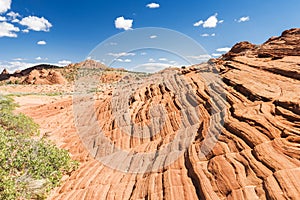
x=251 y=118
x=276 y=47
x=4 y=72
x=43 y=76
x=40 y=74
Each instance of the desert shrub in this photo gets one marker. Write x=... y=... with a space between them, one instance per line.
x=19 y=123
x=29 y=168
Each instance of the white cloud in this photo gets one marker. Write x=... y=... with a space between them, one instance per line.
x=153 y=5
x=150 y=67
x=2 y=19
x=205 y=35
x=121 y=54
x=13 y=15
x=15 y=21
x=124 y=60
x=25 y=31
x=19 y=59
x=202 y=57
x=151 y=60
x=64 y=62
x=113 y=44
x=221 y=21
x=153 y=36
x=4 y=5
x=211 y=22
x=36 y=23
x=41 y=42
x=122 y=23
x=223 y=49
x=40 y=58
x=216 y=54
x=163 y=59
x=199 y=23
x=244 y=19
x=8 y=30
x=143 y=53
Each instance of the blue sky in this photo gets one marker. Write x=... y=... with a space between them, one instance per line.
x=36 y=31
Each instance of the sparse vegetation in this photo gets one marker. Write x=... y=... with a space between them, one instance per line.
x=29 y=168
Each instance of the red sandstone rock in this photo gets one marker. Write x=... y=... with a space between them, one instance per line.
x=256 y=156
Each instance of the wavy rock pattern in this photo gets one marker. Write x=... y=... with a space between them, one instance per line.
x=256 y=155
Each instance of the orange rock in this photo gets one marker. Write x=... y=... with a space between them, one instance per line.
x=256 y=155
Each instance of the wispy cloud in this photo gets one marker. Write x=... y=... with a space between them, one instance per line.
x=121 y=54
x=13 y=15
x=122 y=23
x=150 y=67
x=19 y=59
x=163 y=59
x=202 y=57
x=153 y=5
x=64 y=62
x=124 y=60
x=244 y=19
x=223 y=49
x=216 y=54
x=153 y=36
x=208 y=35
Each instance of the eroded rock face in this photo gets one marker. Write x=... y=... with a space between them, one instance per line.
x=240 y=48
x=43 y=76
x=276 y=47
x=285 y=45
x=256 y=155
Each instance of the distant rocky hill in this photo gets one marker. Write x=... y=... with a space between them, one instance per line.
x=40 y=74
x=47 y=74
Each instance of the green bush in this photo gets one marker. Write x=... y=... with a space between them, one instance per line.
x=29 y=168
